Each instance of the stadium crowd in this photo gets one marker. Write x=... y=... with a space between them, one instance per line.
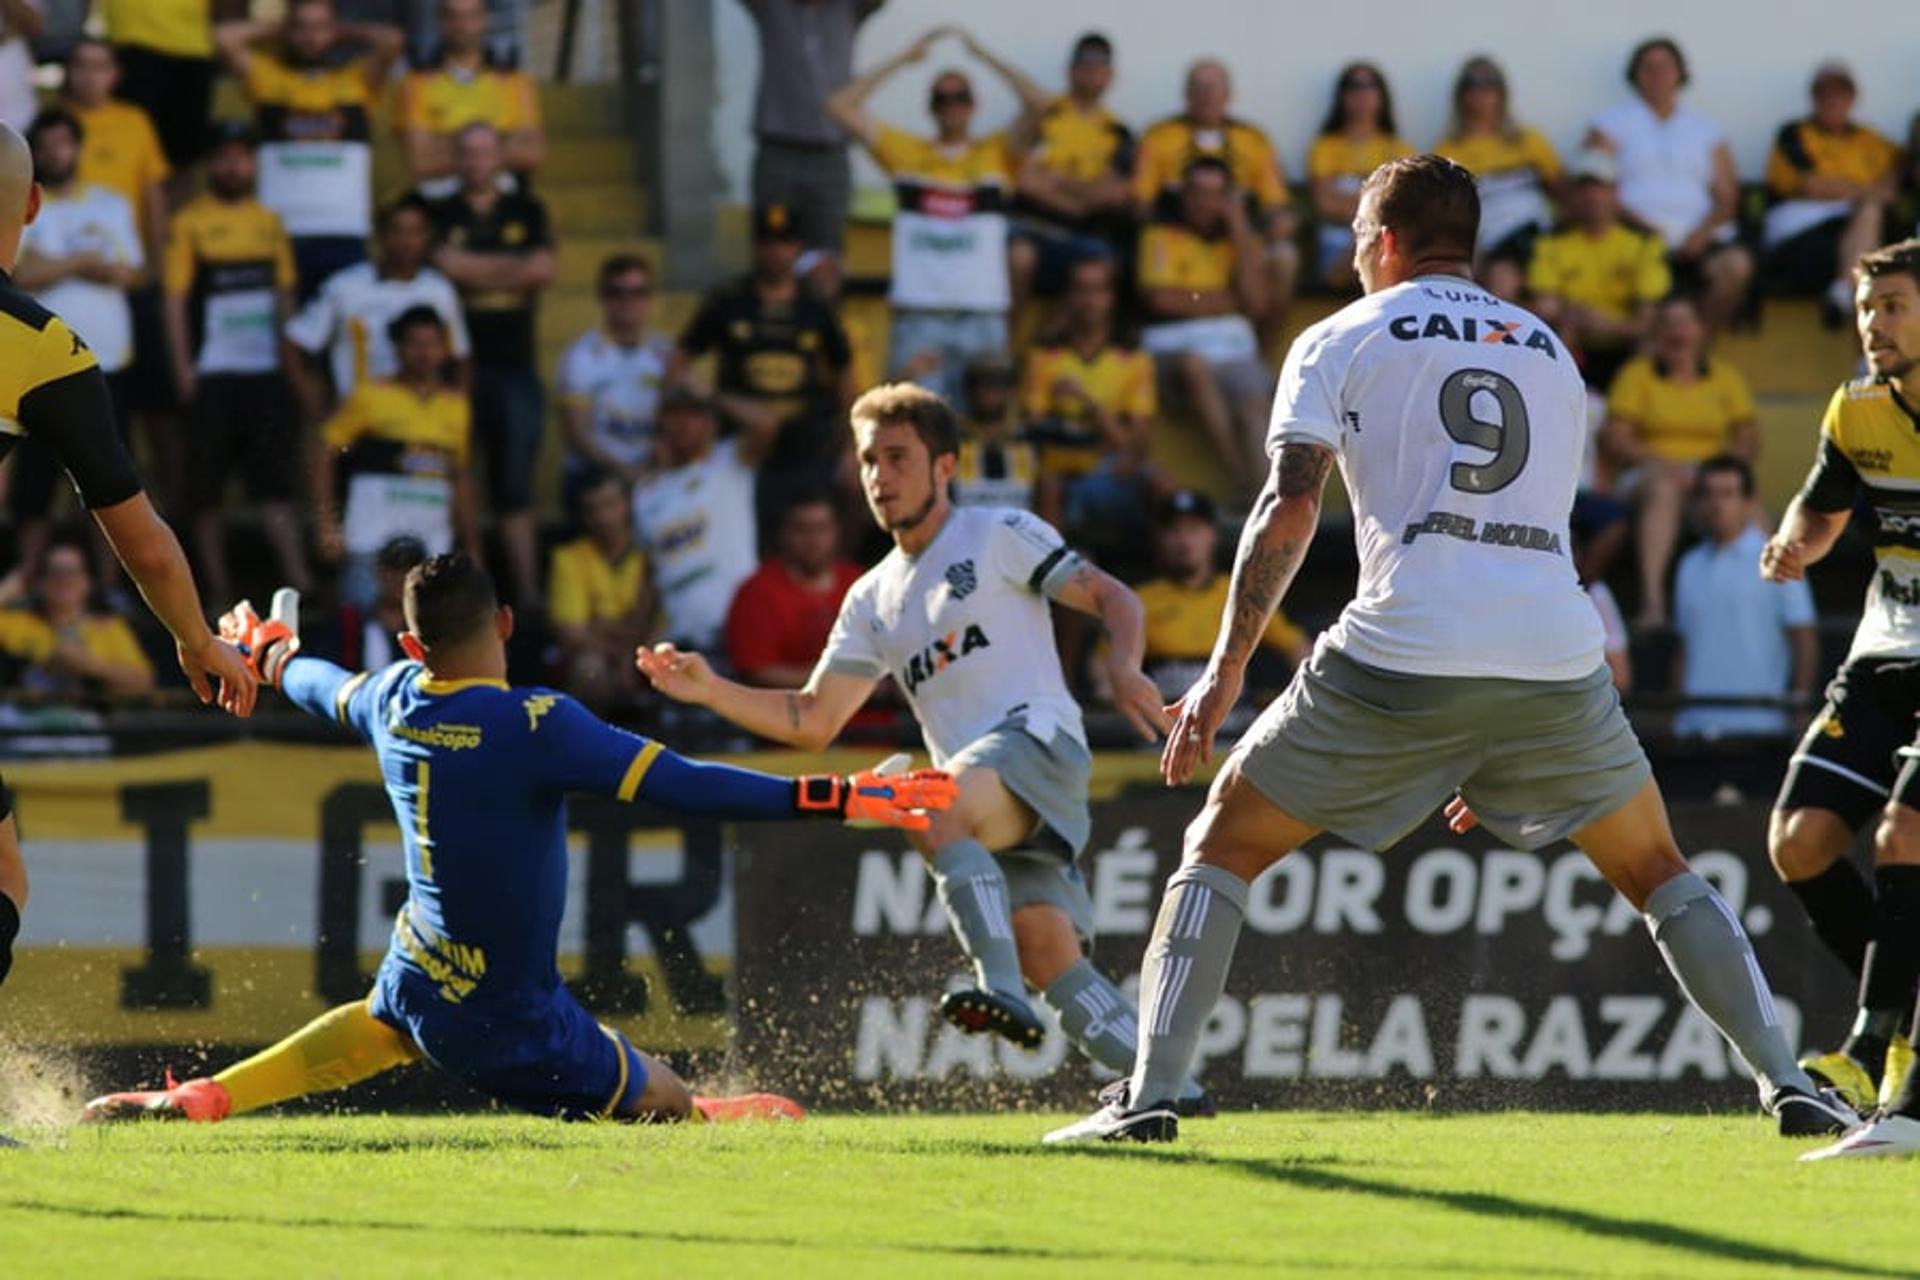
x=359 y=371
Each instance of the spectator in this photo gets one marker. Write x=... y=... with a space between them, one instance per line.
x=610 y=378
x=367 y=638
x=165 y=50
x=800 y=156
x=397 y=448
x=1596 y=280
x=781 y=616
x=313 y=111
x=695 y=519
x=71 y=652
x=497 y=249
x=1669 y=411
x=1516 y=167
x=1203 y=290
x=950 y=288
x=1185 y=601
x=782 y=368
x=1075 y=189
x=1677 y=179
x=999 y=466
x=77 y=257
x=21 y=22
x=228 y=282
x=1614 y=645
x=1358 y=135
x=465 y=83
x=120 y=150
x=1089 y=401
x=1740 y=636
x=348 y=319
x=598 y=599
x=1169 y=149
x=1833 y=181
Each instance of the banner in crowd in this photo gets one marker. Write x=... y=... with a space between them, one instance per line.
x=1447 y=972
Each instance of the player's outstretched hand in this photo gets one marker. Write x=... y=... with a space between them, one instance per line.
x=684 y=677
x=269 y=643
x=1782 y=561
x=1138 y=699
x=1197 y=718
x=1460 y=819
x=214 y=662
x=887 y=795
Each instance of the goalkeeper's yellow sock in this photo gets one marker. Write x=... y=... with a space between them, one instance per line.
x=342 y=1046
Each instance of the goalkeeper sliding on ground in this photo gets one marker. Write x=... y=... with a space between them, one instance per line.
x=478 y=773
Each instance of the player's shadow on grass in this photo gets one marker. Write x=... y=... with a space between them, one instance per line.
x=1315 y=1176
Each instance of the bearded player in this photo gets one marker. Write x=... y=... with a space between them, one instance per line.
x=1469 y=659
x=478 y=774
x=958 y=614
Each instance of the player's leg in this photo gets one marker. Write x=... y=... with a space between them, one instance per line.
x=1808 y=849
x=341 y=1047
x=13 y=882
x=1891 y=972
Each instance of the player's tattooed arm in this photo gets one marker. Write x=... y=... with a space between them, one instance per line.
x=1272 y=546
x=793 y=710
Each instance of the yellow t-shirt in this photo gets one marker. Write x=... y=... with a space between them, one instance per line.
x=1615 y=272
x=28 y=636
x=1681 y=422
x=583 y=586
x=231 y=257
x=1335 y=155
x=1183 y=621
x=443 y=100
x=1171 y=145
x=1172 y=257
x=183 y=28
x=1120 y=380
x=321 y=104
x=1493 y=155
x=1082 y=146
x=1803 y=150
x=120 y=150
x=380 y=412
x=907 y=156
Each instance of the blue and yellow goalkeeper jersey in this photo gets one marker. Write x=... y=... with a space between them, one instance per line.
x=478 y=774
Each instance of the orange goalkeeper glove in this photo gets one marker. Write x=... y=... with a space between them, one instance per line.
x=268 y=643
x=882 y=797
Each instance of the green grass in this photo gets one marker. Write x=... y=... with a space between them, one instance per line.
x=1337 y=1195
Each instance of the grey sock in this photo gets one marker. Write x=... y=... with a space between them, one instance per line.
x=1185 y=972
x=973 y=889
x=1713 y=961
x=1100 y=1020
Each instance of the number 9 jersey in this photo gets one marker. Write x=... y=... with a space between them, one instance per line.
x=1459 y=421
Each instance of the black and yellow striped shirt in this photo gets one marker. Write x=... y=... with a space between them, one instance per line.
x=51 y=389
x=1870 y=448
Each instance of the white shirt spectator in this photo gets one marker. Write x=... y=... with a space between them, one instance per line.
x=91 y=220
x=18 y=105
x=1735 y=626
x=348 y=320
x=1666 y=166
x=1613 y=624
x=620 y=386
x=696 y=524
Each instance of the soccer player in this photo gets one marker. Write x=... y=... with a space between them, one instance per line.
x=1857 y=761
x=478 y=773
x=958 y=614
x=1468 y=660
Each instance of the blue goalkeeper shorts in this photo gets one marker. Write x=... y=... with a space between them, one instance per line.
x=552 y=1060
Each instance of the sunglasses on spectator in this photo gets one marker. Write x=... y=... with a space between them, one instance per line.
x=1365 y=82
x=627 y=291
x=1482 y=82
x=952 y=97
x=1093 y=60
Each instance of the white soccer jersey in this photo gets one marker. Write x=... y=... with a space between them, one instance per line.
x=697 y=525
x=965 y=629
x=91 y=220
x=620 y=387
x=1459 y=421
x=348 y=320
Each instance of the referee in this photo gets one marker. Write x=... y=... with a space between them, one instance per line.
x=51 y=388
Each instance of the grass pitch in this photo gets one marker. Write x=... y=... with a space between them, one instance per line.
x=1342 y=1194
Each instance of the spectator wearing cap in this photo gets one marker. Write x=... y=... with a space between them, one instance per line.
x=1739 y=635
x=782 y=365
x=1358 y=135
x=1677 y=178
x=1089 y=401
x=694 y=518
x=998 y=465
x=497 y=248
x=1203 y=288
x=1075 y=188
x=393 y=460
x=62 y=647
x=800 y=154
x=598 y=598
x=1833 y=181
x=227 y=283
x=1595 y=279
x=950 y=290
x=465 y=82
x=1515 y=167
x=314 y=108
x=611 y=377
x=167 y=66
x=1254 y=173
x=778 y=624
x=1184 y=603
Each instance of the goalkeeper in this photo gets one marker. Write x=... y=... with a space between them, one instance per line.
x=478 y=773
